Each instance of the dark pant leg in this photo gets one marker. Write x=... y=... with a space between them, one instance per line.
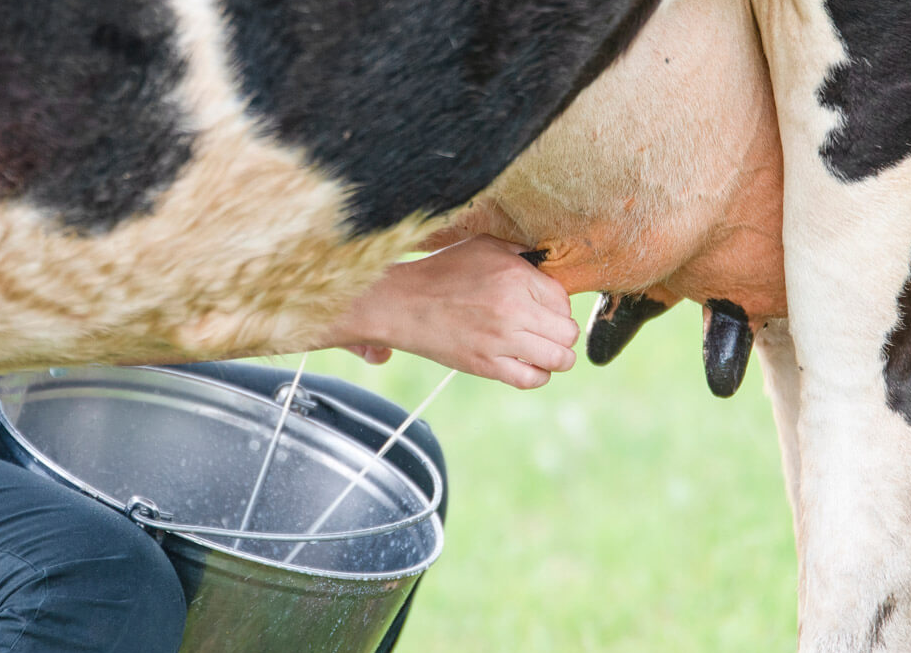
x=77 y=577
x=265 y=380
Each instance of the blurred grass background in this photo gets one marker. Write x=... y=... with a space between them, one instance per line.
x=620 y=509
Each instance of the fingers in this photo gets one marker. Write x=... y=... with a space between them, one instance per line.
x=377 y=355
x=475 y=306
x=550 y=325
x=549 y=293
x=531 y=362
x=521 y=375
x=370 y=354
x=544 y=330
x=533 y=368
x=544 y=289
x=543 y=352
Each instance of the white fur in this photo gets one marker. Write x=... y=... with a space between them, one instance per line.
x=631 y=176
x=846 y=257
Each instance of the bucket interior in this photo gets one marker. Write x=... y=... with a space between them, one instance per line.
x=195 y=448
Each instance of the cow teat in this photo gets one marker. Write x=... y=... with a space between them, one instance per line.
x=614 y=322
x=536 y=256
x=726 y=345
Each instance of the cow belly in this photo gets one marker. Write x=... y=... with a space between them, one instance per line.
x=665 y=172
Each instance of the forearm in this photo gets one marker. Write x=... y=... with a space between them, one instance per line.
x=475 y=307
x=371 y=319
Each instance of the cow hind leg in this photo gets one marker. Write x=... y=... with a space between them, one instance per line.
x=775 y=348
x=847 y=239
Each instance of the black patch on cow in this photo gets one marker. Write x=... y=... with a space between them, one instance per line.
x=86 y=126
x=420 y=104
x=726 y=346
x=871 y=90
x=883 y=614
x=897 y=355
x=615 y=322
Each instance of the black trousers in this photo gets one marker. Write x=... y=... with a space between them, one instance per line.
x=76 y=576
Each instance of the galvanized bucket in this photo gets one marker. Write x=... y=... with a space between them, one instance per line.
x=180 y=455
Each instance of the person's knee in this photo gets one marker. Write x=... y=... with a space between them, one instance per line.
x=120 y=588
x=140 y=573
x=159 y=609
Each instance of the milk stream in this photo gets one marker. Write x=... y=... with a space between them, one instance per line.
x=390 y=442
x=330 y=510
x=270 y=452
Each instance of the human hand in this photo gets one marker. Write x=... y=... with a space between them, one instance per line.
x=475 y=306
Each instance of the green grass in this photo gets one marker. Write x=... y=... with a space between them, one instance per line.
x=619 y=509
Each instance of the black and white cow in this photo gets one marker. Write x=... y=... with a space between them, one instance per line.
x=201 y=178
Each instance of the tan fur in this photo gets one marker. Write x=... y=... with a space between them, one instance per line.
x=243 y=254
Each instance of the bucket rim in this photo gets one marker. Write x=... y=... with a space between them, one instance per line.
x=48 y=467
x=278 y=565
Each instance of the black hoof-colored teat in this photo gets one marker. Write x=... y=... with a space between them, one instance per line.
x=726 y=344
x=614 y=322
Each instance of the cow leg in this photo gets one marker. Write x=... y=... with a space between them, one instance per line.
x=775 y=348
x=847 y=240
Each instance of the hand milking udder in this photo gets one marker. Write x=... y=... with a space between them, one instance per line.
x=739 y=288
x=729 y=260
x=736 y=275
x=662 y=181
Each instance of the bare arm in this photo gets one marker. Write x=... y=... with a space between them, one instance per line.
x=475 y=306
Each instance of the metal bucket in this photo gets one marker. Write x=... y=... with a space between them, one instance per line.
x=178 y=452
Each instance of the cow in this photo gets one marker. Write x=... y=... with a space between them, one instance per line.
x=196 y=179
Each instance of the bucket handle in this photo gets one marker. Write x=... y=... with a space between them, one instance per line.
x=146 y=513
x=138 y=512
